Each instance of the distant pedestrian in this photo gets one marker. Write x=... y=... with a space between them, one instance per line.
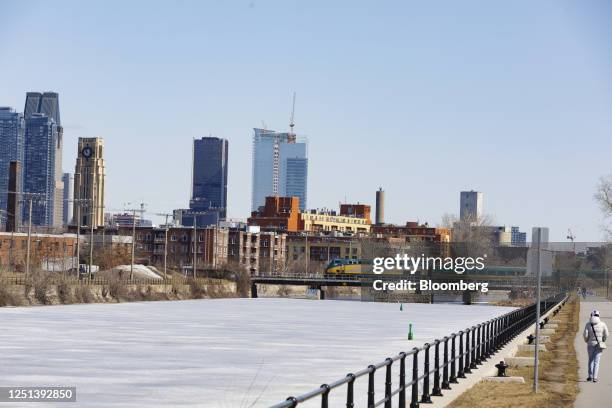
x=584 y=293
x=595 y=335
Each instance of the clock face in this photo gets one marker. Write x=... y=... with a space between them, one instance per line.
x=87 y=152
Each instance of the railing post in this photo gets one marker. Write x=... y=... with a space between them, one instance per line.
x=350 y=402
x=483 y=343
x=436 y=391
x=414 y=401
x=461 y=373
x=467 y=365
x=324 y=396
x=507 y=330
x=425 y=397
x=388 y=383
x=453 y=373
x=490 y=339
x=473 y=357
x=497 y=333
x=371 y=386
x=445 y=382
x=479 y=344
x=402 y=381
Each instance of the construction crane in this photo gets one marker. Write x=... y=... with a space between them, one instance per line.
x=291 y=121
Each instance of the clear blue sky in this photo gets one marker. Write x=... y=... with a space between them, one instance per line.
x=426 y=99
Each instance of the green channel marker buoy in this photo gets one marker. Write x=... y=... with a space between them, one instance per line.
x=410 y=334
x=401 y=307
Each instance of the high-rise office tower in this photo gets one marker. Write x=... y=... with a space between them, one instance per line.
x=89 y=175
x=470 y=206
x=280 y=167
x=68 y=182
x=12 y=133
x=42 y=170
x=209 y=175
x=46 y=103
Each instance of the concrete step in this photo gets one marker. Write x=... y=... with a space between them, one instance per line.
x=531 y=347
x=519 y=361
x=551 y=326
x=519 y=380
x=547 y=332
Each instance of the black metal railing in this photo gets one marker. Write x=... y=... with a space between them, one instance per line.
x=462 y=352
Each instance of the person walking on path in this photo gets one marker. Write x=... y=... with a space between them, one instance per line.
x=595 y=335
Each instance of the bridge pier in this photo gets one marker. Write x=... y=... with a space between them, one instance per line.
x=253 y=290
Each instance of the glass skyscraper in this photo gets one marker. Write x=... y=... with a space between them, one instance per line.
x=42 y=169
x=12 y=133
x=208 y=204
x=280 y=167
x=209 y=184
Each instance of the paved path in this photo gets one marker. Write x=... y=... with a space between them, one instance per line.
x=594 y=395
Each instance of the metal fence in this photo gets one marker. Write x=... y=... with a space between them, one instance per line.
x=454 y=356
x=57 y=280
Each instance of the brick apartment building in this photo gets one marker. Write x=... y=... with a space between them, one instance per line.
x=215 y=247
x=210 y=246
x=260 y=252
x=43 y=248
x=278 y=214
x=282 y=214
x=413 y=232
x=322 y=248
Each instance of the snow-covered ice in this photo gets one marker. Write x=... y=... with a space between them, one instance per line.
x=212 y=353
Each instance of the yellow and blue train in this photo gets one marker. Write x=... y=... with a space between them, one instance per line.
x=364 y=266
x=349 y=267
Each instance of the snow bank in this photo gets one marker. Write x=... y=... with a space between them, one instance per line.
x=140 y=271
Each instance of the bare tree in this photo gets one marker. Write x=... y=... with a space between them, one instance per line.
x=603 y=196
x=470 y=236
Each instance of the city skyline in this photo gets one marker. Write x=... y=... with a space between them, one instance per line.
x=521 y=113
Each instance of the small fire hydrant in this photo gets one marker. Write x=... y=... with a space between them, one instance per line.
x=501 y=369
x=530 y=338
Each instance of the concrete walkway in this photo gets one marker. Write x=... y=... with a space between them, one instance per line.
x=592 y=395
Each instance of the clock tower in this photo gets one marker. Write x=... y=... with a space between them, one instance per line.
x=89 y=181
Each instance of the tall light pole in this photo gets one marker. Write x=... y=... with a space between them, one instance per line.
x=27 y=271
x=195 y=245
x=537 y=322
x=78 y=217
x=306 y=253
x=91 y=237
x=166 y=250
x=165 y=244
x=133 y=242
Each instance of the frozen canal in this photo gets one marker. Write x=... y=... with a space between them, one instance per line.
x=211 y=353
